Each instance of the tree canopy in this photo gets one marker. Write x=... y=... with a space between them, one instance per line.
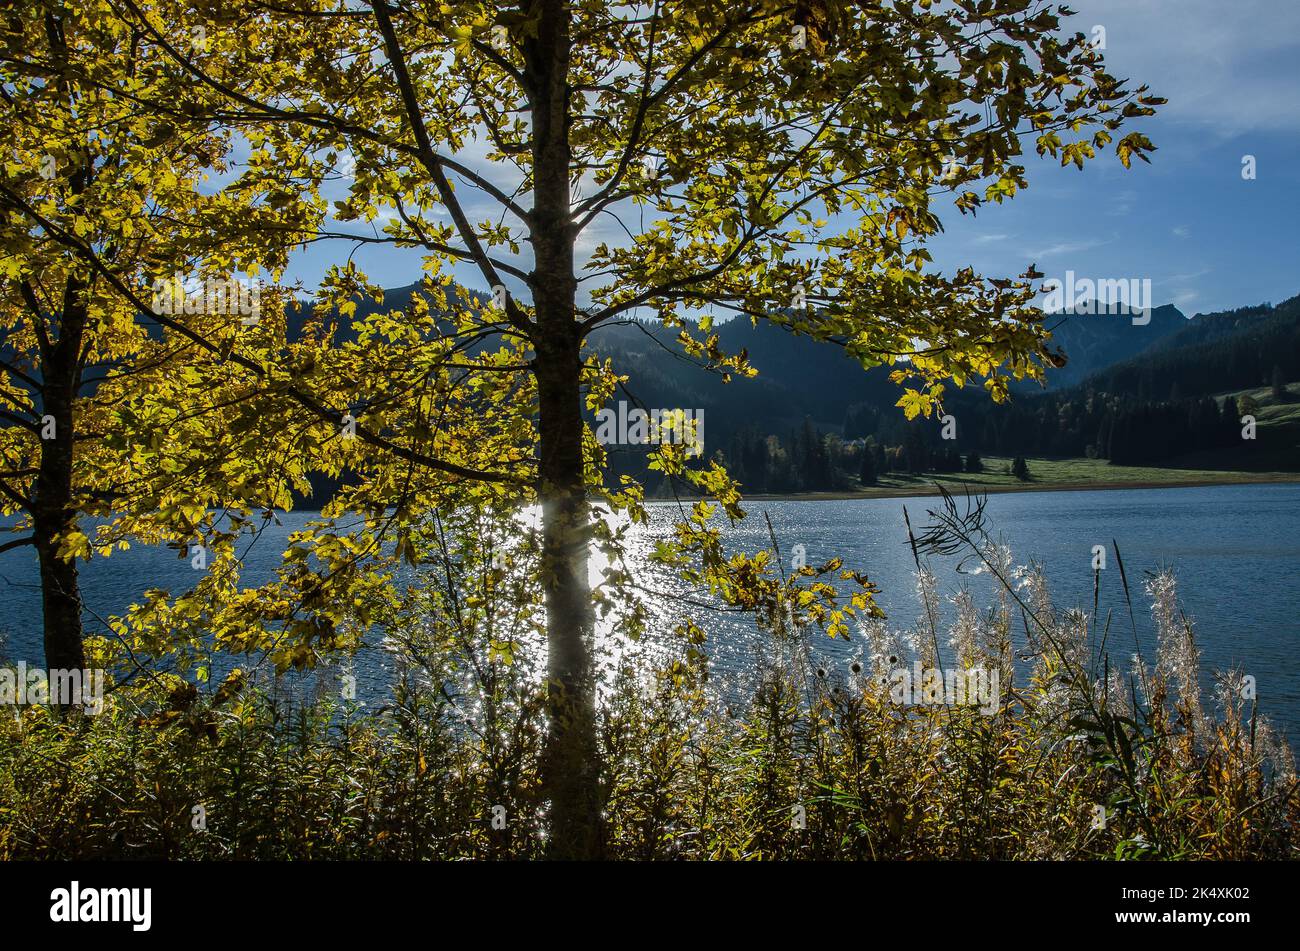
x=587 y=163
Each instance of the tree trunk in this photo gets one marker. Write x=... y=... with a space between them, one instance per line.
x=60 y=592
x=572 y=766
x=53 y=512
x=572 y=769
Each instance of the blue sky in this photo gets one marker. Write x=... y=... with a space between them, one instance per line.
x=1206 y=238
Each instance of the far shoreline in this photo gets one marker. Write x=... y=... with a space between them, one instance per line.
x=960 y=486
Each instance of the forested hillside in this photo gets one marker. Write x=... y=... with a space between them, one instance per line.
x=1172 y=400
x=1179 y=403
x=1161 y=393
x=1235 y=350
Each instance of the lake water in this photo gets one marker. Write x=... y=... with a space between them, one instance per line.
x=1235 y=551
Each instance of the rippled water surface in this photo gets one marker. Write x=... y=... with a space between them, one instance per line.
x=1235 y=550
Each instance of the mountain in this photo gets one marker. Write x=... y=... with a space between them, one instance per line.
x=800 y=378
x=395 y=298
x=1094 y=341
x=1131 y=392
x=797 y=377
x=1215 y=353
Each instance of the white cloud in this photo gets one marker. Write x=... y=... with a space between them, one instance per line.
x=1064 y=247
x=1230 y=66
x=1190 y=276
x=1123 y=204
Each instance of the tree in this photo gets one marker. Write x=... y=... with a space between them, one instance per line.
x=1020 y=469
x=809 y=447
x=1279 y=385
x=743 y=129
x=99 y=202
x=1229 y=422
x=973 y=462
x=867 y=474
x=915 y=450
